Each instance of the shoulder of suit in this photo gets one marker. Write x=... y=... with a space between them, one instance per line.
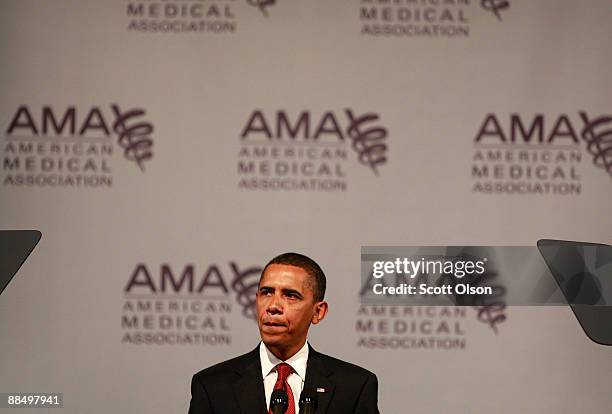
x=225 y=367
x=343 y=367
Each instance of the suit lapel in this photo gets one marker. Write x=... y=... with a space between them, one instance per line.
x=318 y=379
x=249 y=388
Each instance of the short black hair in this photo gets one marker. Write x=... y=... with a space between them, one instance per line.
x=317 y=277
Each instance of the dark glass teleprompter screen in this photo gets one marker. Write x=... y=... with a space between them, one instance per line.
x=583 y=272
x=15 y=247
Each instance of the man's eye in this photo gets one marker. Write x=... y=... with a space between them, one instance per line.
x=266 y=292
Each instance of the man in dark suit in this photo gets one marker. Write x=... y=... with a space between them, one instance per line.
x=289 y=299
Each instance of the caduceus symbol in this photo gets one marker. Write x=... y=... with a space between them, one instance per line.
x=135 y=138
x=369 y=143
x=492 y=314
x=262 y=4
x=495 y=6
x=490 y=309
x=597 y=133
x=246 y=289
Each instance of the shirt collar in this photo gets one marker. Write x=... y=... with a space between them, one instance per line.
x=269 y=361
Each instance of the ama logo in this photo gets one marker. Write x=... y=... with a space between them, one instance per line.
x=72 y=146
x=538 y=154
x=213 y=281
x=133 y=134
x=187 y=305
x=308 y=150
x=533 y=131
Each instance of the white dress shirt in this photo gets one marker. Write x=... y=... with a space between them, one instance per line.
x=296 y=380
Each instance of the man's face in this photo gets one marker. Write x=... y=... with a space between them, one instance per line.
x=286 y=307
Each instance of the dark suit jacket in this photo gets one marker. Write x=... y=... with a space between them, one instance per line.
x=236 y=386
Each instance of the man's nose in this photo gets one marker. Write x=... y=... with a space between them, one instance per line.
x=275 y=306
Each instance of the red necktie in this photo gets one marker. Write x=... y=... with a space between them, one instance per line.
x=284 y=370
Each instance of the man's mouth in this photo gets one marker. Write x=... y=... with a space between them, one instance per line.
x=275 y=324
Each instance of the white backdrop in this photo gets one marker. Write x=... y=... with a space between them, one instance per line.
x=484 y=144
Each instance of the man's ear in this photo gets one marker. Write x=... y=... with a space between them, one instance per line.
x=320 y=312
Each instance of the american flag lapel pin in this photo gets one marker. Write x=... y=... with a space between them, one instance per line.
x=320 y=389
